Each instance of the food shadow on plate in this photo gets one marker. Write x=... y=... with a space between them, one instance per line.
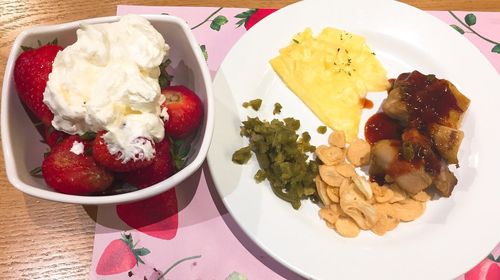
x=249 y=245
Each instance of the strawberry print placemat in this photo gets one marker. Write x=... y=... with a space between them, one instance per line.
x=186 y=233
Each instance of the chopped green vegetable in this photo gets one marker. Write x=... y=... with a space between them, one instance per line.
x=408 y=151
x=255 y=104
x=292 y=123
x=282 y=157
x=242 y=155
x=321 y=129
x=277 y=108
x=260 y=176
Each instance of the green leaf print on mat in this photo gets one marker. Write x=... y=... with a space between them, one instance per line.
x=460 y=30
x=218 y=22
x=470 y=20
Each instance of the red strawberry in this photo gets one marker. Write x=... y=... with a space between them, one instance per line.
x=161 y=168
x=487 y=269
x=252 y=16
x=53 y=136
x=185 y=111
x=71 y=173
x=31 y=74
x=155 y=216
x=119 y=256
x=102 y=156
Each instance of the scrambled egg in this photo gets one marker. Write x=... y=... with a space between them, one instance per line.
x=331 y=74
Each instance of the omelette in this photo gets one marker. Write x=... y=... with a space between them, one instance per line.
x=331 y=74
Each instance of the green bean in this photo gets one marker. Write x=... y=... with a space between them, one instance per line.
x=282 y=157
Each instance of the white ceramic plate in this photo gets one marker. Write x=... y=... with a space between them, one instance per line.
x=452 y=236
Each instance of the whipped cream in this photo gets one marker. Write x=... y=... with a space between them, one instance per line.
x=164 y=114
x=77 y=148
x=108 y=80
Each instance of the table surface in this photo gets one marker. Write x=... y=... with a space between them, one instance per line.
x=48 y=240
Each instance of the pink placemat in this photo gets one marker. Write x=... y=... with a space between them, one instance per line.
x=186 y=233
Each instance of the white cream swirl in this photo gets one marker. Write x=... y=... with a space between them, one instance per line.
x=108 y=80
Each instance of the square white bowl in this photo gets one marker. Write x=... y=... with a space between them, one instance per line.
x=21 y=144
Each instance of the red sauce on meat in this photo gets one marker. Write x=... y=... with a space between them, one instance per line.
x=429 y=100
x=380 y=126
x=400 y=167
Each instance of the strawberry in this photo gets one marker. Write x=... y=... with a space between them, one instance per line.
x=53 y=136
x=155 y=216
x=119 y=256
x=31 y=73
x=250 y=17
x=487 y=269
x=160 y=169
x=103 y=157
x=71 y=173
x=185 y=111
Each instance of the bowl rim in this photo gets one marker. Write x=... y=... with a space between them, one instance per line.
x=155 y=189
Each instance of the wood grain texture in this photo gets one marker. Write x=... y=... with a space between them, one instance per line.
x=48 y=240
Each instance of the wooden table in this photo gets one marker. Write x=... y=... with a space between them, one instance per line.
x=47 y=240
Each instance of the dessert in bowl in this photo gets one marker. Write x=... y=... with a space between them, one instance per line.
x=112 y=96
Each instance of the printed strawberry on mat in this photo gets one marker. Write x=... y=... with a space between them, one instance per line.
x=31 y=73
x=250 y=17
x=120 y=256
x=68 y=168
x=161 y=168
x=103 y=157
x=487 y=269
x=185 y=111
x=156 y=216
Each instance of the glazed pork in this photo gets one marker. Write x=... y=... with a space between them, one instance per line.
x=429 y=112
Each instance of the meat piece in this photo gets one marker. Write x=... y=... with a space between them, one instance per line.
x=384 y=153
x=445 y=181
x=416 y=138
x=455 y=117
x=395 y=107
x=418 y=148
x=447 y=141
x=413 y=181
x=385 y=160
